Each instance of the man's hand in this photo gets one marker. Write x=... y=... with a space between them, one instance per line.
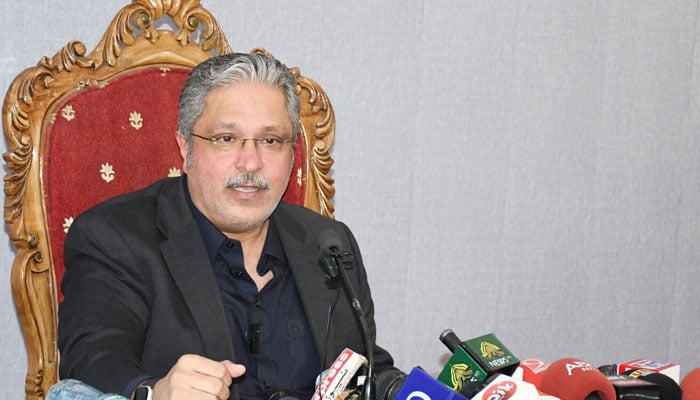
x=195 y=377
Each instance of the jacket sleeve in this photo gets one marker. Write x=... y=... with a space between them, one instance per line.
x=102 y=319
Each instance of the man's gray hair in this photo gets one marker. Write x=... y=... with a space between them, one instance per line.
x=225 y=70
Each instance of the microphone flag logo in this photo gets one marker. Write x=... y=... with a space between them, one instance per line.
x=504 y=390
x=578 y=365
x=460 y=373
x=490 y=350
x=492 y=354
x=460 y=369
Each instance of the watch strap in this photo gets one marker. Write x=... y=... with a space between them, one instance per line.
x=143 y=392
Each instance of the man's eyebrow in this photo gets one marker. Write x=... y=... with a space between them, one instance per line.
x=274 y=129
x=232 y=126
x=226 y=125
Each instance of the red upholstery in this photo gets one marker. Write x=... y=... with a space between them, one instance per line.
x=116 y=138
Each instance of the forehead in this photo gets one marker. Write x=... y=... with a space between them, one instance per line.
x=245 y=103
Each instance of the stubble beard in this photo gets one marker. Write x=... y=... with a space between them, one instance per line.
x=228 y=219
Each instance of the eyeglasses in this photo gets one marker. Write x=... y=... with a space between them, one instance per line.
x=227 y=143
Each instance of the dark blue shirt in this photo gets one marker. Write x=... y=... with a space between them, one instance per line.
x=287 y=357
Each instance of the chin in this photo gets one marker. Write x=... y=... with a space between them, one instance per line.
x=253 y=220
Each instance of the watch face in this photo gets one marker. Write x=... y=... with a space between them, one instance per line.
x=143 y=393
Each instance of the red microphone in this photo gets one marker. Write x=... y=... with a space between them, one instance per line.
x=573 y=379
x=691 y=385
x=531 y=370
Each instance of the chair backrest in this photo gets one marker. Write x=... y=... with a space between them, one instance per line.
x=82 y=128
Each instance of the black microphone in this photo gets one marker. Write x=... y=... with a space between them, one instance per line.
x=331 y=257
x=282 y=394
x=255 y=331
x=334 y=259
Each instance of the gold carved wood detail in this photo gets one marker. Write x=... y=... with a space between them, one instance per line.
x=131 y=41
x=318 y=118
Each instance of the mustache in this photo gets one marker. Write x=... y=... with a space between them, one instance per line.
x=247 y=179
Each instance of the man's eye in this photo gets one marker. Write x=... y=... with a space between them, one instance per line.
x=269 y=141
x=225 y=139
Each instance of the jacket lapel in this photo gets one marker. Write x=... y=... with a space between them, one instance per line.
x=188 y=262
x=302 y=256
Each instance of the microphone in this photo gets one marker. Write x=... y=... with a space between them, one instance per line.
x=668 y=388
x=336 y=379
x=334 y=260
x=629 y=388
x=460 y=370
x=503 y=387
x=664 y=374
x=331 y=383
x=573 y=379
x=421 y=386
x=530 y=370
x=691 y=385
x=281 y=394
x=669 y=369
x=492 y=356
x=255 y=331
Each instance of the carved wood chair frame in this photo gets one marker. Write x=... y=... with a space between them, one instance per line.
x=132 y=40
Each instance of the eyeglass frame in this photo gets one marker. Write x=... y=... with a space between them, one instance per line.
x=215 y=139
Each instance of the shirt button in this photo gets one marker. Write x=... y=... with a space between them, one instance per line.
x=230 y=244
x=239 y=273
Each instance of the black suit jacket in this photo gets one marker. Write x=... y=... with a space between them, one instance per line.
x=139 y=291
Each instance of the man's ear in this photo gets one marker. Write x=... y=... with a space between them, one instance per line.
x=184 y=149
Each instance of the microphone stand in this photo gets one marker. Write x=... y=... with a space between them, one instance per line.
x=340 y=260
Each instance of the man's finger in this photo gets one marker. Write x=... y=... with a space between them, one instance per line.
x=235 y=370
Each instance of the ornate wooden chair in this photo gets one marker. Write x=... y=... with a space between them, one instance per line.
x=83 y=128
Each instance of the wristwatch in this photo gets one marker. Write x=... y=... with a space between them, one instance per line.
x=143 y=392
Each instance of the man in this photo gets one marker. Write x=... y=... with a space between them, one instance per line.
x=208 y=286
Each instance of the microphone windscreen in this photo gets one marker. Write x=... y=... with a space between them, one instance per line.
x=419 y=385
x=668 y=388
x=691 y=385
x=329 y=242
x=573 y=379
